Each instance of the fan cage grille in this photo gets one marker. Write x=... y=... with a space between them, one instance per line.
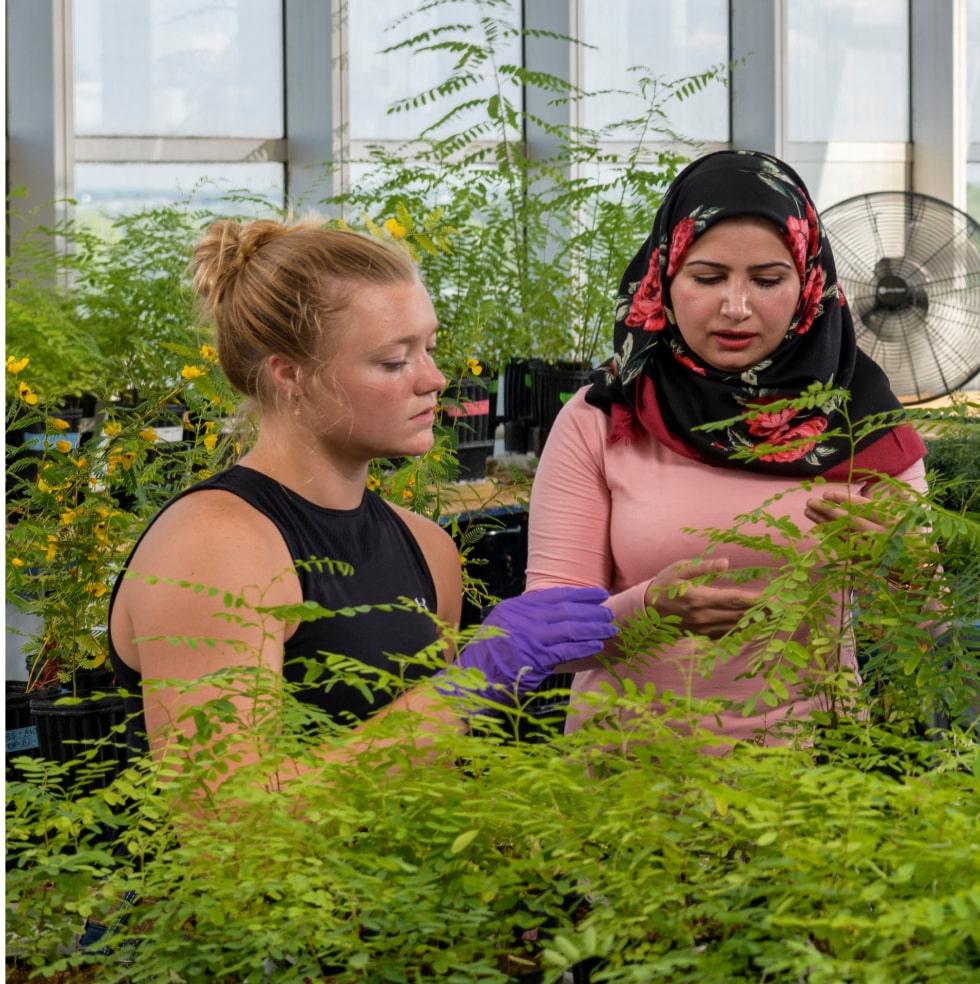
x=909 y=266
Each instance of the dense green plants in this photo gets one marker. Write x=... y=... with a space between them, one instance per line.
x=622 y=848
x=412 y=852
x=103 y=313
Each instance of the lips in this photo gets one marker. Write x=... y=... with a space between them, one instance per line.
x=733 y=340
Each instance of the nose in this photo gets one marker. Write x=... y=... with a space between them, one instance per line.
x=735 y=303
x=431 y=380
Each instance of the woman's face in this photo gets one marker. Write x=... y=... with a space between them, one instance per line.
x=382 y=382
x=735 y=293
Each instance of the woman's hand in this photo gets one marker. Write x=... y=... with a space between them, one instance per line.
x=837 y=503
x=702 y=608
x=869 y=521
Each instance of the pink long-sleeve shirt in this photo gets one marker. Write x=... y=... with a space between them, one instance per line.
x=614 y=515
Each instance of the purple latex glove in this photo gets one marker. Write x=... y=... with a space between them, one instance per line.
x=543 y=630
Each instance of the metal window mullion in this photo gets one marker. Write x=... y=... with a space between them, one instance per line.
x=178 y=150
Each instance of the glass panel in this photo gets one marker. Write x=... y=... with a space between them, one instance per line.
x=377 y=80
x=837 y=50
x=185 y=68
x=116 y=189
x=973 y=70
x=676 y=38
x=973 y=191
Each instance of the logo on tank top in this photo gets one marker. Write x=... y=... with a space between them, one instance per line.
x=422 y=603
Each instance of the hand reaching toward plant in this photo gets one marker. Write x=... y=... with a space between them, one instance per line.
x=837 y=503
x=871 y=521
x=544 y=629
x=682 y=590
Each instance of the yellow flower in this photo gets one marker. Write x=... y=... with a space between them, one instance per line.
x=211 y=441
x=149 y=435
x=26 y=393
x=395 y=229
x=112 y=430
x=63 y=446
x=67 y=516
x=52 y=550
x=15 y=365
x=96 y=590
x=373 y=483
x=58 y=424
x=209 y=353
x=474 y=366
x=406 y=493
x=16 y=562
x=192 y=372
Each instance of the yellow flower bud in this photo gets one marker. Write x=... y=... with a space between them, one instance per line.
x=192 y=372
x=15 y=365
x=395 y=229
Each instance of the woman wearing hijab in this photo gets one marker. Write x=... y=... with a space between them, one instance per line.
x=731 y=304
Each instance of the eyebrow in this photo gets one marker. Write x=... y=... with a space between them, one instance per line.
x=756 y=266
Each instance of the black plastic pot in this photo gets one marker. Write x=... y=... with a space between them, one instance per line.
x=68 y=732
x=552 y=386
x=517 y=406
x=467 y=408
x=21 y=732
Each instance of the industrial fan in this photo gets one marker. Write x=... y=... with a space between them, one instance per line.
x=909 y=265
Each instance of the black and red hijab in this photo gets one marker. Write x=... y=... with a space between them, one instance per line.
x=654 y=382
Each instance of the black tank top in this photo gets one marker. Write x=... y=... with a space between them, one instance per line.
x=386 y=565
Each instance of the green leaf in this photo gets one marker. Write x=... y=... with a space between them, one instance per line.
x=463 y=841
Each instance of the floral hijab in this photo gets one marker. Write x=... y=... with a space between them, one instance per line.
x=655 y=383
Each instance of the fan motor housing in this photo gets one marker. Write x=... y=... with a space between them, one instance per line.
x=892 y=291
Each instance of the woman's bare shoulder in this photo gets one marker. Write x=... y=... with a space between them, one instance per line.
x=212 y=532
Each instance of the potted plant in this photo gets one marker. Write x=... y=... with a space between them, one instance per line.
x=73 y=510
